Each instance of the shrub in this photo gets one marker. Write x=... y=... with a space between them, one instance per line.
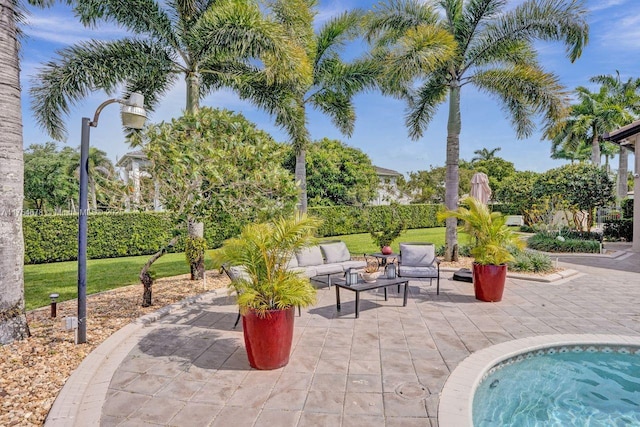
x=627 y=208
x=581 y=235
x=619 y=229
x=463 y=250
x=550 y=243
x=531 y=262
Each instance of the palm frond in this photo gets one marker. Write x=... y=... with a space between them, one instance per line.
x=424 y=104
x=389 y=21
x=525 y=91
x=548 y=20
x=239 y=29
x=106 y=65
x=338 y=107
x=335 y=33
x=139 y=16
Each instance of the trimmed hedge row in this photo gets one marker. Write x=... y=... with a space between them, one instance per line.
x=53 y=238
x=339 y=220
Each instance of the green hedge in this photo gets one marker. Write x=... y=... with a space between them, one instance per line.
x=505 y=208
x=52 y=238
x=619 y=229
x=550 y=243
x=339 y=220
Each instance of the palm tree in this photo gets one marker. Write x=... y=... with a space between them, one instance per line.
x=593 y=115
x=13 y=321
x=484 y=154
x=210 y=43
x=333 y=83
x=627 y=96
x=580 y=153
x=100 y=168
x=494 y=51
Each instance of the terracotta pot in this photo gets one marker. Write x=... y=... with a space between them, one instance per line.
x=386 y=250
x=488 y=281
x=268 y=339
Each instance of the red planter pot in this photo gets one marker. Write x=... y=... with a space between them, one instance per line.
x=268 y=339
x=386 y=250
x=488 y=281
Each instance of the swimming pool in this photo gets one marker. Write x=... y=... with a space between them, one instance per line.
x=566 y=386
x=500 y=362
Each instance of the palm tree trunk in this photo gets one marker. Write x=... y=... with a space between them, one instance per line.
x=13 y=321
x=301 y=179
x=195 y=229
x=94 y=198
x=623 y=171
x=451 y=184
x=595 y=148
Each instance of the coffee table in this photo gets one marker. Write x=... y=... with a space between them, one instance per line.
x=364 y=286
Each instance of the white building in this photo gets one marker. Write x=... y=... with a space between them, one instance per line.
x=388 y=189
x=136 y=165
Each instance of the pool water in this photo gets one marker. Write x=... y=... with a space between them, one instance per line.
x=562 y=389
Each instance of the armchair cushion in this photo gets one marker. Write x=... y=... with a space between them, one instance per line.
x=335 y=252
x=413 y=255
x=420 y=272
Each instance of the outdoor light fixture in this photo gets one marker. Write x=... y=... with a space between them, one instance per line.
x=133 y=117
x=54 y=304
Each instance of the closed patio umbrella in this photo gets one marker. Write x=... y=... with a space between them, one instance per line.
x=480 y=189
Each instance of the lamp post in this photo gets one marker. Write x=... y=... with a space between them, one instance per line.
x=133 y=116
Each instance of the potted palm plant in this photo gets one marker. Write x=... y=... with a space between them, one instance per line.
x=491 y=250
x=267 y=293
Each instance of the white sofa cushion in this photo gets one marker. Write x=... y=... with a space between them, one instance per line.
x=335 y=252
x=309 y=256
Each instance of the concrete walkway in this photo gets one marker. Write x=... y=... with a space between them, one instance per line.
x=386 y=368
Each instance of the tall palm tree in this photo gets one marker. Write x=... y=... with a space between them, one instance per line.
x=594 y=114
x=627 y=95
x=333 y=84
x=13 y=321
x=210 y=44
x=485 y=154
x=494 y=52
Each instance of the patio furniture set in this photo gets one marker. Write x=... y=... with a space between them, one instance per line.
x=330 y=263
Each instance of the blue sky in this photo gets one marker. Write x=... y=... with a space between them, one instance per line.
x=614 y=45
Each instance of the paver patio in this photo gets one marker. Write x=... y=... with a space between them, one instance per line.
x=386 y=368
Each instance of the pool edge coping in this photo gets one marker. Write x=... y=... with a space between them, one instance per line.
x=456 y=399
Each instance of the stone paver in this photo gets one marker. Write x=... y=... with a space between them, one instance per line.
x=190 y=367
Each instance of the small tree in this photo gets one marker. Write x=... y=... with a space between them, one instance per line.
x=215 y=160
x=516 y=190
x=582 y=187
x=337 y=174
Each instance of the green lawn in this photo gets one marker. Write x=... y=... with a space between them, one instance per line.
x=103 y=274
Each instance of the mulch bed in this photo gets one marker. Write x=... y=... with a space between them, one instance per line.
x=33 y=371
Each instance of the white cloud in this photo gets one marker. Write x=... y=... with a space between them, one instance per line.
x=66 y=30
x=605 y=4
